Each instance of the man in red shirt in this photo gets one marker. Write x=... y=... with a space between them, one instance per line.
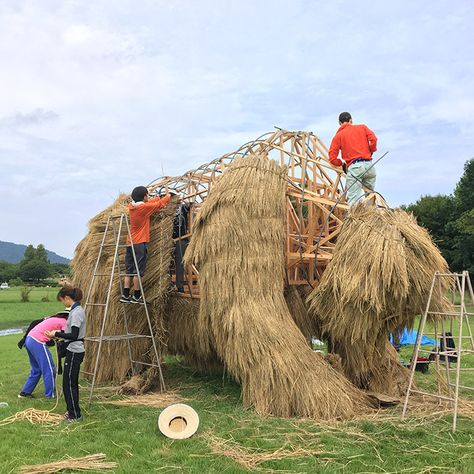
x=141 y=209
x=357 y=143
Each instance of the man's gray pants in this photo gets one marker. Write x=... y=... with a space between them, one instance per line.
x=359 y=176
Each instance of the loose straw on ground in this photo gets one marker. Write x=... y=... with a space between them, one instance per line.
x=34 y=416
x=251 y=458
x=93 y=462
x=154 y=400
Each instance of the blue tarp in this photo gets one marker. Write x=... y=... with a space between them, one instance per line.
x=409 y=337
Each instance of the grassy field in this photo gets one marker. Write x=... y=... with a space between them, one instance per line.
x=230 y=439
x=14 y=314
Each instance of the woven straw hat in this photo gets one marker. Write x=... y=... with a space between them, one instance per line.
x=178 y=421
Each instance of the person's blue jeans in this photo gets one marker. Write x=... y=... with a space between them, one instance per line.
x=42 y=364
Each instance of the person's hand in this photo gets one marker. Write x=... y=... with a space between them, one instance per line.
x=50 y=334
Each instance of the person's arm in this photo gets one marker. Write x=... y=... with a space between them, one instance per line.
x=372 y=139
x=334 y=151
x=70 y=336
x=154 y=204
x=75 y=325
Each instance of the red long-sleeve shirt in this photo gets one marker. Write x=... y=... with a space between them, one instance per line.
x=354 y=141
x=140 y=218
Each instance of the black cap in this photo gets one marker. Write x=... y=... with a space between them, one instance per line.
x=344 y=117
x=139 y=193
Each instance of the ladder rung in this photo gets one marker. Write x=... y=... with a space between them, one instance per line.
x=118 y=337
x=144 y=363
x=462 y=369
x=114 y=245
x=102 y=274
x=450 y=314
x=434 y=395
x=461 y=386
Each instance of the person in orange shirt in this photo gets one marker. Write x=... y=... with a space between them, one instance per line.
x=141 y=209
x=356 y=143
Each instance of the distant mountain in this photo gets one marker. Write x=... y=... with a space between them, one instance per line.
x=13 y=253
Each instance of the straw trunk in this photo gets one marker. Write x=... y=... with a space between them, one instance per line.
x=238 y=248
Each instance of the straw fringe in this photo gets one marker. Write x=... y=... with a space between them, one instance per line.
x=238 y=248
x=377 y=282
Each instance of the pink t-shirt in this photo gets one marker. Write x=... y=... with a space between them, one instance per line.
x=50 y=324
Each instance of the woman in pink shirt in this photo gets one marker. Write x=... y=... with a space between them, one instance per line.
x=41 y=360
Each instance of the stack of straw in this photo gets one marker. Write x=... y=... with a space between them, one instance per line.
x=238 y=248
x=93 y=462
x=377 y=282
x=156 y=284
x=184 y=339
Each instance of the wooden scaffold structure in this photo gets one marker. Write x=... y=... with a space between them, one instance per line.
x=315 y=202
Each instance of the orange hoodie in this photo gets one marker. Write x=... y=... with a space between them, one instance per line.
x=354 y=141
x=140 y=214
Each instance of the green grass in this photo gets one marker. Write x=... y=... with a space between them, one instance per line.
x=14 y=313
x=130 y=437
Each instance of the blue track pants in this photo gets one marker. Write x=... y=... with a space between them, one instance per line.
x=42 y=364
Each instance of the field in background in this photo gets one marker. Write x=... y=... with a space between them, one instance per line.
x=230 y=439
x=14 y=313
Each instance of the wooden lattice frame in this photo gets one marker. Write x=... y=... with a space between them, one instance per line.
x=316 y=205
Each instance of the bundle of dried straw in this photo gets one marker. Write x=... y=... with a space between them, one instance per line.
x=377 y=282
x=93 y=462
x=238 y=248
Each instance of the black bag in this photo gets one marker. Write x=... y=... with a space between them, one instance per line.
x=61 y=347
x=450 y=347
x=34 y=323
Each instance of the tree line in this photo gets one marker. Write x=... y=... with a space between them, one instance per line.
x=450 y=220
x=33 y=268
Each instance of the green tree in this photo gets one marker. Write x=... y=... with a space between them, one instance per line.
x=8 y=271
x=30 y=253
x=34 y=270
x=463 y=224
x=41 y=254
x=450 y=220
x=60 y=269
x=436 y=213
x=464 y=191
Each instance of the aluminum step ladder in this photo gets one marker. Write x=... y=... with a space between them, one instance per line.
x=117 y=226
x=444 y=353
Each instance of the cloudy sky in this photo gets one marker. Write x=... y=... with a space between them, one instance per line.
x=97 y=97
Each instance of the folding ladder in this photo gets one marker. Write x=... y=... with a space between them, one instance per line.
x=444 y=353
x=116 y=225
